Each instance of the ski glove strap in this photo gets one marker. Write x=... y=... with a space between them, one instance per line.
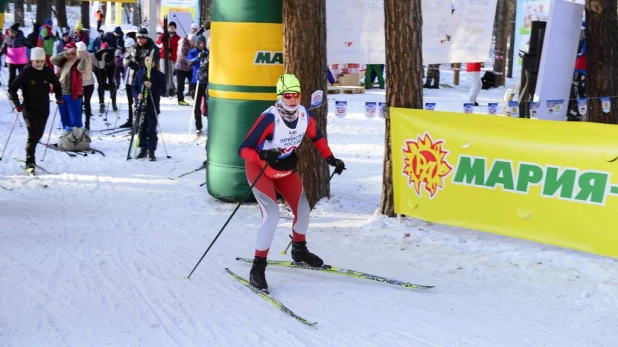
x=270 y=156
x=338 y=164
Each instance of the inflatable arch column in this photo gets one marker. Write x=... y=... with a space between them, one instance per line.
x=246 y=58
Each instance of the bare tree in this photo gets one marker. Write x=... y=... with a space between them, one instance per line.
x=43 y=10
x=501 y=30
x=61 y=13
x=137 y=20
x=19 y=12
x=602 y=60
x=404 y=35
x=85 y=18
x=304 y=42
x=205 y=10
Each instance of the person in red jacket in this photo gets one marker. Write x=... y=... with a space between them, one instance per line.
x=174 y=38
x=271 y=144
x=474 y=70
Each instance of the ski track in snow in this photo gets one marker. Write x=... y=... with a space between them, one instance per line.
x=99 y=257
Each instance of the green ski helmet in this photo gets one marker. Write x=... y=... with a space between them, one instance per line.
x=288 y=83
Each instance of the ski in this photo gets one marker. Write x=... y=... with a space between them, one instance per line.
x=115 y=131
x=34 y=176
x=42 y=168
x=266 y=296
x=93 y=151
x=189 y=172
x=340 y=271
x=58 y=149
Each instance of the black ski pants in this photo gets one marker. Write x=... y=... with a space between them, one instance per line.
x=12 y=72
x=180 y=78
x=148 y=131
x=129 y=93
x=35 y=123
x=197 y=110
x=88 y=91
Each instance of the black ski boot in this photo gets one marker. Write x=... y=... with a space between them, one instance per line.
x=30 y=168
x=151 y=156
x=142 y=153
x=257 y=278
x=127 y=124
x=300 y=253
x=101 y=108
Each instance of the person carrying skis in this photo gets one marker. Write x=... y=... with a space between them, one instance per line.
x=34 y=81
x=272 y=142
x=144 y=46
x=132 y=67
x=198 y=58
x=149 y=107
x=71 y=78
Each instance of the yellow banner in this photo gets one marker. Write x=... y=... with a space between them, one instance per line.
x=551 y=182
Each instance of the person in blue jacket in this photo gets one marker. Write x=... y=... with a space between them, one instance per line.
x=149 y=106
x=198 y=58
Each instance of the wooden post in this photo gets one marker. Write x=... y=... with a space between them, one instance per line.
x=456 y=66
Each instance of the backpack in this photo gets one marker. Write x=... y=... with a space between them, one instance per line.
x=489 y=80
x=76 y=140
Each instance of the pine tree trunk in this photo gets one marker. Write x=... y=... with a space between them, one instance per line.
x=137 y=20
x=19 y=12
x=205 y=10
x=404 y=61
x=29 y=5
x=501 y=25
x=43 y=10
x=61 y=13
x=602 y=60
x=85 y=18
x=304 y=42
x=511 y=55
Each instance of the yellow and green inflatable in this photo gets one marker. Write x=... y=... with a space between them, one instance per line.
x=246 y=58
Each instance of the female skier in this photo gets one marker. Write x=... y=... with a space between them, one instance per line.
x=272 y=141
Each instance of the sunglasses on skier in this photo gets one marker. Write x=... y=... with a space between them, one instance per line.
x=291 y=95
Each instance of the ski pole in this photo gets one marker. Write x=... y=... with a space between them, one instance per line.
x=159 y=125
x=7 y=140
x=311 y=209
x=181 y=27
x=230 y=218
x=51 y=127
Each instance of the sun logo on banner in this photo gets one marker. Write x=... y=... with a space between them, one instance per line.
x=425 y=164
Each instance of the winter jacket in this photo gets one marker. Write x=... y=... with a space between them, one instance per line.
x=87 y=77
x=34 y=85
x=33 y=37
x=473 y=67
x=46 y=39
x=196 y=61
x=157 y=90
x=82 y=36
x=15 y=49
x=96 y=45
x=182 y=55
x=131 y=64
x=173 y=46
x=75 y=78
x=113 y=41
x=141 y=52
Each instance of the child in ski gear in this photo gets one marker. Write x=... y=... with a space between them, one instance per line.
x=14 y=47
x=271 y=142
x=149 y=107
x=87 y=79
x=71 y=70
x=34 y=81
x=199 y=58
x=131 y=67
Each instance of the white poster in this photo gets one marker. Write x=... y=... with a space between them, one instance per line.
x=453 y=31
x=183 y=22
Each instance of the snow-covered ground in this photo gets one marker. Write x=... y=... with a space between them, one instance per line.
x=98 y=258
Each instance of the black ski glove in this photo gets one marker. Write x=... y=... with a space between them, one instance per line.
x=337 y=163
x=270 y=156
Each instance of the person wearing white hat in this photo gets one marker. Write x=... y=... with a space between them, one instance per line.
x=34 y=81
x=131 y=66
x=194 y=28
x=87 y=80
